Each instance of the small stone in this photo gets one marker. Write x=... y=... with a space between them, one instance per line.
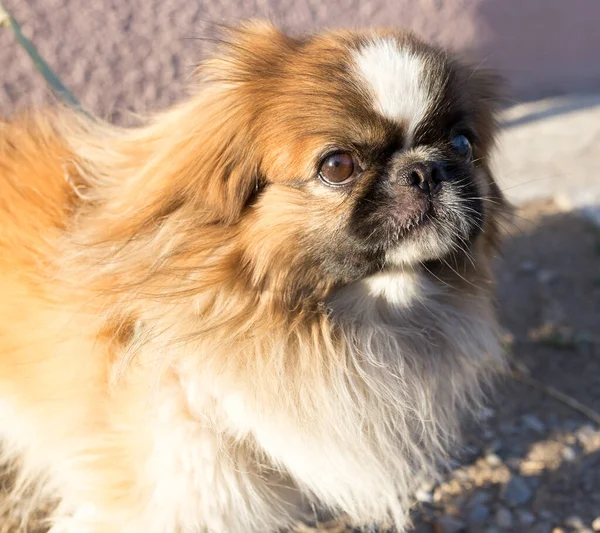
x=525 y=518
x=479 y=498
x=492 y=529
x=534 y=423
x=574 y=522
x=424 y=496
x=586 y=433
x=544 y=514
x=478 y=514
x=504 y=518
x=558 y=530
x=516 y=492
x=449 y=524
x=541 y=527
x=596 y=524
x=569 y=454
x=493 y=460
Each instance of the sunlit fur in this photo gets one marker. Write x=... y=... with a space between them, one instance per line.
x=181 y=349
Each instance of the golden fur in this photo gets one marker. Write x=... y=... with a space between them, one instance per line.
x=176 y=351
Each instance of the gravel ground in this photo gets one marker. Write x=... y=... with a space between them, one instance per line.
x=532 y=463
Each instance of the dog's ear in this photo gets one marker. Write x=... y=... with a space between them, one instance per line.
x=204 y=153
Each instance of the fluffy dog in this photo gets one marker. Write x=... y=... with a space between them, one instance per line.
x=272 y=296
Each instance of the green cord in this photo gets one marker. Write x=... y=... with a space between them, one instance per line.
x=7 y=20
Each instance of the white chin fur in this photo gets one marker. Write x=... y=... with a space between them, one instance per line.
x=416 y=249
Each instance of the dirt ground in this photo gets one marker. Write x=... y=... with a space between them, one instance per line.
x=532 y=461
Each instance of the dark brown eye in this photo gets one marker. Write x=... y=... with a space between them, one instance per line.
x=338 y=169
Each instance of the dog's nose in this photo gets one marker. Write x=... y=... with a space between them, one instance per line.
x=427 y=176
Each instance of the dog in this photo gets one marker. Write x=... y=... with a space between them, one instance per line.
x=273 y=297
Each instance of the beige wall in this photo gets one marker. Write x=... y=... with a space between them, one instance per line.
x=541 y=46
x=138 y=54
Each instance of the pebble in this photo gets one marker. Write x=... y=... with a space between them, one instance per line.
x=596 y=524
x=449 y=524
x=516 y=492
x=424 y=496
x=575 y=522
x=542 y=527
x=569 y=454
x=478 y=514
x=493 y=460
x=534 y=423
x=479 y=498
x=504 y=518
x=586 y=433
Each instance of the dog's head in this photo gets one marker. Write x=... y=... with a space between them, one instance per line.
x=327 y=158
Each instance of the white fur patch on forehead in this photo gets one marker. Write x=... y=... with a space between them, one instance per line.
x=395 y=78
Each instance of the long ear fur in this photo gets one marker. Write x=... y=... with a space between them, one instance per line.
x=203 y=152
x=193 y=168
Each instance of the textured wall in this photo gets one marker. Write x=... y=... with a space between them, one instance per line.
x=137 y=54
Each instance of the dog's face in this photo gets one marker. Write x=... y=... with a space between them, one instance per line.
x=319 y=161
x=368 y=151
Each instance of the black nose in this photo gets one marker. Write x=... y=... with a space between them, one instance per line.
x=427 y=176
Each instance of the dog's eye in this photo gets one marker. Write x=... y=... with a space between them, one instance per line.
x=461 y=145
x=338 y=169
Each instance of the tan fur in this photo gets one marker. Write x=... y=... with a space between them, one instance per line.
x=173 y=360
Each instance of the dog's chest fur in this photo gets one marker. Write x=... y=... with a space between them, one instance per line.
x=358 y=439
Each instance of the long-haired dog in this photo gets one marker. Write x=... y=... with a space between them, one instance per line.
x=273 y=296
